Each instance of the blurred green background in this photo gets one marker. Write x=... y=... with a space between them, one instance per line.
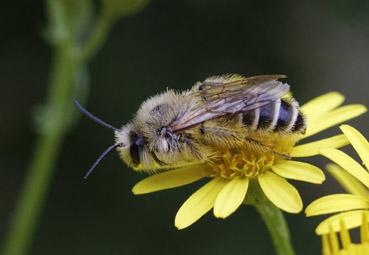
x=321 y=46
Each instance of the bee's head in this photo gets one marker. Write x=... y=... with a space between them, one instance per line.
x=130 y=143
x=132 y=140
x=133 y=150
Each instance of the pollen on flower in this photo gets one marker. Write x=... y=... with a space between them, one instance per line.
x=241 y=164
x=252 y=160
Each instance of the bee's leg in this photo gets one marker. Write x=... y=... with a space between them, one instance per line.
x=160 y=162
x=266 y=147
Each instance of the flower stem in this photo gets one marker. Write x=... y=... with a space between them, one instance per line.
x=43 y=162
x=273 y=218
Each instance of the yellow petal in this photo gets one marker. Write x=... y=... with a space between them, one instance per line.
x=333 y=118
x=345 y=235
x=347 y=163
x=352 y=219
x=299 y=171
x=347 y=181
x=322 y=104
x=313 y=148
x=333 y=240
x=198 y=203
x=281 y=193
x=364 y=230
x=230 y=197
x=325 y=245
x=358 y=141
x=170 y=179
x=336 y=203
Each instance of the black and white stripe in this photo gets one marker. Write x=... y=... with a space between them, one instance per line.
x=281 y=115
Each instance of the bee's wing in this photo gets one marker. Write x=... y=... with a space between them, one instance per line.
x=225 y=95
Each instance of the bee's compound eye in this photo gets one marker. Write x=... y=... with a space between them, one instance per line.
x=137 y=144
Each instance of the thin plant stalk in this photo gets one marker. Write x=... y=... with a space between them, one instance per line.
x=43 y=161
x=69 y=63
x=273 y=218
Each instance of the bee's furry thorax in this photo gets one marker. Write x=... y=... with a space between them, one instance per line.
x=164 y=148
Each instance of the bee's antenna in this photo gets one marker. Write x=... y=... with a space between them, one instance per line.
x=93 y=117
x=97 y=161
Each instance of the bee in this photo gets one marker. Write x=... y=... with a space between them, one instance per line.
x=227 y=112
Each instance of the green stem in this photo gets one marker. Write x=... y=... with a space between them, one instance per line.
x=32 y=196
x=43 y=162
x=56 y=117
x=273 y=218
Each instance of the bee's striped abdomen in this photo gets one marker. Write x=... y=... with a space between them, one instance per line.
x=300 y=125
x=284 y=117
x=279 y=115
x=269 y=115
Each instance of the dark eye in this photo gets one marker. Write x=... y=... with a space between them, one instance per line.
x=137 y=144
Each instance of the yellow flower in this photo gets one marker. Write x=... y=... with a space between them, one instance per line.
x=232 y=173
x=331 y=243
x=354 y=178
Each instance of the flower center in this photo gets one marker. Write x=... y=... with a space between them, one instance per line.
x=252 y=159
x=241 y=165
